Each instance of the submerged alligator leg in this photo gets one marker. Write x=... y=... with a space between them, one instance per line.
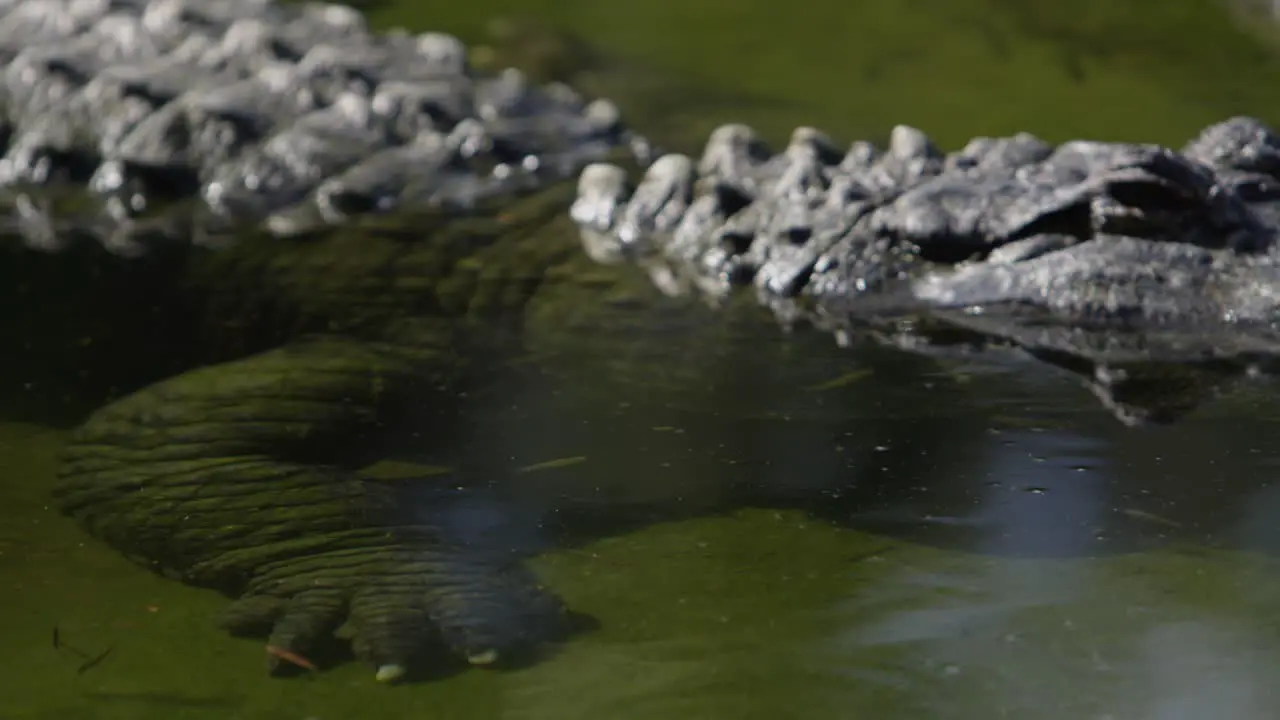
x=237 y=477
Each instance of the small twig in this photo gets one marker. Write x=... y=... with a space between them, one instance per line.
x=93 y=661
x=89 y=661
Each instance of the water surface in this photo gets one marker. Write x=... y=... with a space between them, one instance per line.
x=764 y=524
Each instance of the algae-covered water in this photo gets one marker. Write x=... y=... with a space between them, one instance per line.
x=766 y=525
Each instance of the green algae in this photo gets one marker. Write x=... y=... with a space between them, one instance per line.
x=748 y=613
x=756 y=614
x=555 y=464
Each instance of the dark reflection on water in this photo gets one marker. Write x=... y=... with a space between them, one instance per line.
x=853 y=530
x=1075 y=581
x=1015 y=459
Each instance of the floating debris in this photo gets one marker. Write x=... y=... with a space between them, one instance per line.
x=93 y=661
x=844 y=380
x=555 y=464
x=386 y=470
x=1145 y=516
x=89 y=661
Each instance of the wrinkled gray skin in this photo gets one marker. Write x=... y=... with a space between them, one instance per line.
x=1110 y=252
x=1088 y=229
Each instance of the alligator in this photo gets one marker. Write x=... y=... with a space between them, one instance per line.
x=333 y=219
x=1094 y=256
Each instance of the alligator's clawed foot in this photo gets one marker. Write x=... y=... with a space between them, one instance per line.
x=395 y=606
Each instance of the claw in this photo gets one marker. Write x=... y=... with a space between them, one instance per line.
x=389 y=673
x=482 y=613
x=390 y=625
x=485 y=657
x=279 y=653
x=307 y=618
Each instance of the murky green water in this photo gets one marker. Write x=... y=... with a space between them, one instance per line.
x=765 y=525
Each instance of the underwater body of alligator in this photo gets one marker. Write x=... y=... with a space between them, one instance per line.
x=372 y=199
